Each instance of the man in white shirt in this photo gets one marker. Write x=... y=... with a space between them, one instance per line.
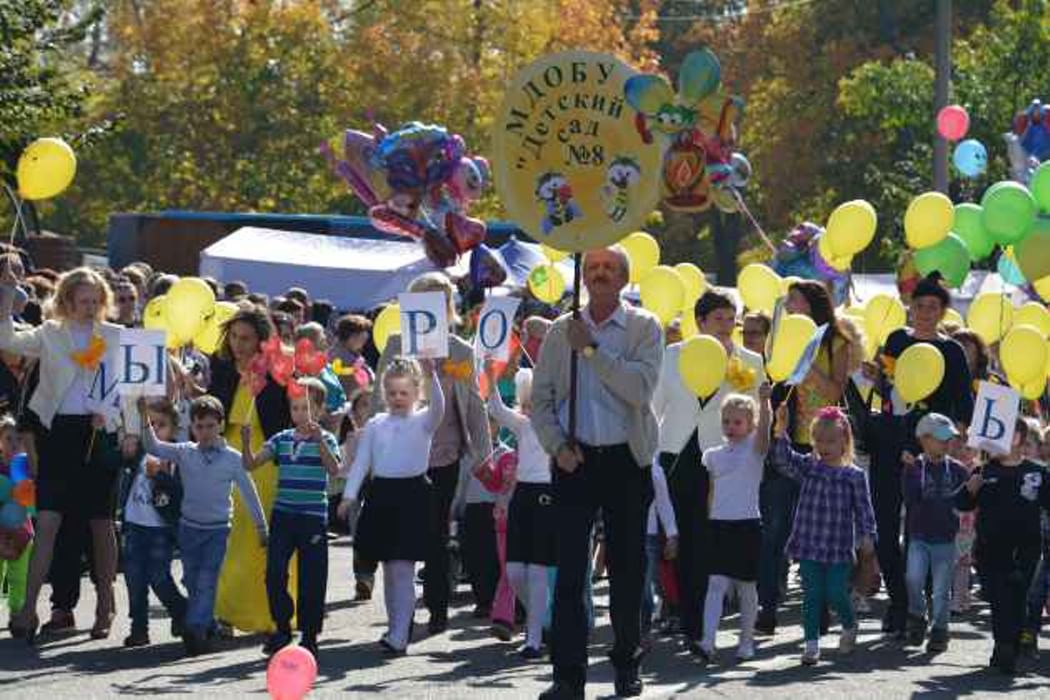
x=605 y=465
x=688 y=426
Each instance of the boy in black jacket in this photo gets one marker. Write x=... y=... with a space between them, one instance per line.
x=1009 y=492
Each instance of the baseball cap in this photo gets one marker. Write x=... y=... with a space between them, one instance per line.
x=937 y=426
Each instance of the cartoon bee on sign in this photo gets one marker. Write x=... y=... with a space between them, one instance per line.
x=623 y=174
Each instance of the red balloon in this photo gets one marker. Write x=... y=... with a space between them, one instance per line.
x=303 y=345
x=296 y=390
x=260 y=364
x=953 y=122
x=291 y=673
x=271 y=346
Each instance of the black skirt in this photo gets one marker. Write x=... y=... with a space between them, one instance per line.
x=734 y=548
x=394 y=520
x=73 y=480
x=530 y=525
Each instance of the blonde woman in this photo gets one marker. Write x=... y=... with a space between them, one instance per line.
x=73 y=472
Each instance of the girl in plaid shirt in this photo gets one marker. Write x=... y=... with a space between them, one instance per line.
x=834 y=508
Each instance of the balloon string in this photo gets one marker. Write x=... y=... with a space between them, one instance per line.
x=19 y=219
x=754 y=222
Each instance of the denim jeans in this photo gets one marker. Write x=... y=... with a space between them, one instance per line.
x=777 y=498
x=825 y=584
x=147 y=564
x=306 y=536
x=202 y=554
x=938 y=562
x=652 y=564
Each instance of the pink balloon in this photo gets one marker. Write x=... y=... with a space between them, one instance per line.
x=291 y=673
x=953 y=122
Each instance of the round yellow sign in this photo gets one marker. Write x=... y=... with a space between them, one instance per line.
x=569 y=163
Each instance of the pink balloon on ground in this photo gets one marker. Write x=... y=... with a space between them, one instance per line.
x=953 y=122
x=291 y=673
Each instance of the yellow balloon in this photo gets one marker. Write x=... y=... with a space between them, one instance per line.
x=794 y=332
x=759 y=287
x=207 y=341
x=928 y=220
x=695 y=284
x=1042 y=288
x=883 y=314
x=546 y=283
x=851 y=228
x=190 y=302
x=153 y=318
x=1023 y=353
x=918 y=372
x=553 y=254
x=45 y=168
x=662 y=292
x=702 y=364
x=387 y=323
x=839 y=262
x=689 y=328
x=953 y=316
x=1032 y=313
x=644 y=252
x=1034 y=389
x=990 y=316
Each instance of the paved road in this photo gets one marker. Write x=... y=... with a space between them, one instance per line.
x=466 y=662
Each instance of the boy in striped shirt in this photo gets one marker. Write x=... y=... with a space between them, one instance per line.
x=306 y=456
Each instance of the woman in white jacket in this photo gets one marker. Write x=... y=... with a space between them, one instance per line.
x=71 y=473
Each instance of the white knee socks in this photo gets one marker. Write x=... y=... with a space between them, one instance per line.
x=529 y=582
x=399 y=591
x=717 y=585
x=747 y=591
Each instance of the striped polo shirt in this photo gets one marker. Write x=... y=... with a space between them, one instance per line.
x=302 y=481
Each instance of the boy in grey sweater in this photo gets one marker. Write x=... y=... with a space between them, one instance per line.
x=208 y=470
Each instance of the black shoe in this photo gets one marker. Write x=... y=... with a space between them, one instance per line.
x=893 y=623
x=1027 y=647
x=310 y=644
x=699 y=652
x=193 y=643
x=277 y=641
x=362 y=590
x=562 y=691
x=628 y=684
x=528 y=653
x=136 y=639
x=177 y=628
x=480 y=612
x=437 y=624
x=502 y=631
x=389 y=649
x=766 y=624
x=916 y=631
x=938 y=640
x=1004 y=659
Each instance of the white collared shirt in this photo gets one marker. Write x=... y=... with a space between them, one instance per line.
x=602 y=419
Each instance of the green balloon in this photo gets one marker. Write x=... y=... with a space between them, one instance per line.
x=969 y=228
x=1033 y=252
x=950 y=257
x=1009 y=212
x=1040 y=187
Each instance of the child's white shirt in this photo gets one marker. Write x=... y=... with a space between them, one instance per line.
x=534 y=464
x=736 y=475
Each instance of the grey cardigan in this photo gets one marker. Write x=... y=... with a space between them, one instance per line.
x=632 y=378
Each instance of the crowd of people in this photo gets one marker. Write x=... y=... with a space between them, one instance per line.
x=691 y=503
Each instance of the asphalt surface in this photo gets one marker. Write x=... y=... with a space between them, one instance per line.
x=467 y=662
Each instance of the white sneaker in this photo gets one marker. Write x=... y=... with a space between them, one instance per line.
x=811 y=655
x=746 y=650
x=847 y=640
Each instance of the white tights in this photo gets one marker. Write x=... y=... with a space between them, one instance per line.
x=529 y=582
x=717 y=587
x=399 y=592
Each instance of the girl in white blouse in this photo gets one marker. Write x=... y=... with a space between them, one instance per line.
x=395 y=447
x=530 y=519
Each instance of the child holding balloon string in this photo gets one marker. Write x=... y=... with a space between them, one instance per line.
x=834 y=510
x=392 y=528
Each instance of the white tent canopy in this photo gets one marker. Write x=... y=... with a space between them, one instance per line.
x=352 y=273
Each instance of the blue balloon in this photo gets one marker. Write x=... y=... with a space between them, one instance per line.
x=5 y=488
x=12 y=515
x=1009 y=271
x=19 y=467
x=970 y=158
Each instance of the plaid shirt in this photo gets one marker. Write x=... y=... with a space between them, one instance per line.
x=834 y=507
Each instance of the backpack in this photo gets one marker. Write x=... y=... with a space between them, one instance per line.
x=167 y=495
